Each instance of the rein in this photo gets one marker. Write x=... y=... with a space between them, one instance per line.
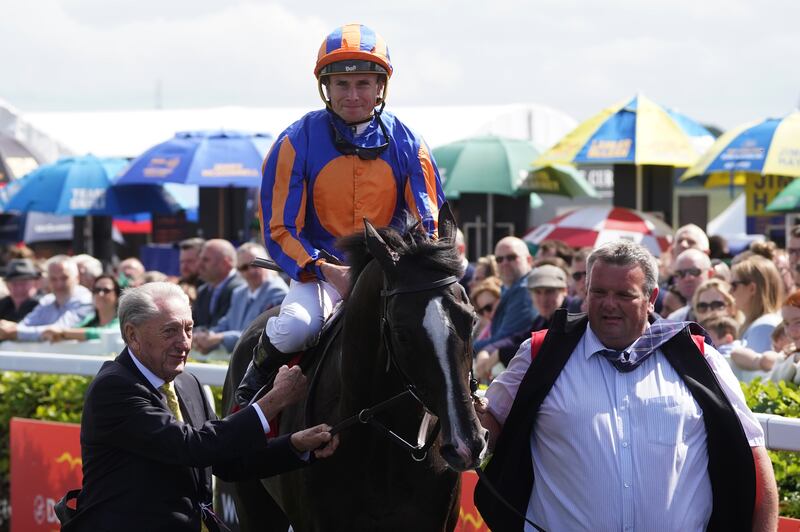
x=419 y=451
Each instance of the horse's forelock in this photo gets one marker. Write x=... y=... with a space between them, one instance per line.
x=413 y=244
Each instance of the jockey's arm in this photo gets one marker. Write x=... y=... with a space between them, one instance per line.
x=338 y=276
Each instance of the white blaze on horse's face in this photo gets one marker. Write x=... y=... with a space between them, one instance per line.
x=438 y=326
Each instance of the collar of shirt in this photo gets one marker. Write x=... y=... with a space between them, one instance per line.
x=592 y=344
x=151 y=377
x=252 y=294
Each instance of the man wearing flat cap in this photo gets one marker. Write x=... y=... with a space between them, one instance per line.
x=22 y=279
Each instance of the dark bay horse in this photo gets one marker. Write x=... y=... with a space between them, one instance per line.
x=407 y=325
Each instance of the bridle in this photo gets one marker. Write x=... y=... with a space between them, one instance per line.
x=418 y=451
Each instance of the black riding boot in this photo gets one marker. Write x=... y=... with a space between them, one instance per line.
x=261 y=371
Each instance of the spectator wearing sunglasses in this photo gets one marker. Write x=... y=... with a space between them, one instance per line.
x=485 y=297
x=692 y=267
x=713 y=298
x=264 y=289
x=325 y=174
x=515 y=310
x=105 y=297
x=577 y=284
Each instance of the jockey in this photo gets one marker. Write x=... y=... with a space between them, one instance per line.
x=324 y=175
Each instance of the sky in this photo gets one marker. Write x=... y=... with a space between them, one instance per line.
x=722 y=62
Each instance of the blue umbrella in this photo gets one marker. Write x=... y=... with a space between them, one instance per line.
x=202 y=158
x=82 y=186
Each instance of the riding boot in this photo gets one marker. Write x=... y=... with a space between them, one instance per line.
x=261 y=371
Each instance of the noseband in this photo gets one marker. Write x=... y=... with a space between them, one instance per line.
x=419 y=451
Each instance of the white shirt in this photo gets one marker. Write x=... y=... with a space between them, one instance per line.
x=157 y=381
x=619 y=451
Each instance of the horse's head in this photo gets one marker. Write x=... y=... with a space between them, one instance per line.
x=427 y=331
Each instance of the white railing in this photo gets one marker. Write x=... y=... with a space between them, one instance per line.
x=211 y=374
x=781 y=433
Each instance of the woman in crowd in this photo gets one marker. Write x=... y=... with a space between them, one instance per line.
x=105 y=295
x=757 y=289
x=485 y=297
x=713 y=298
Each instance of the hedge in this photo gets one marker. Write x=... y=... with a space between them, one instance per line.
x=60 y=398
x=40 y=396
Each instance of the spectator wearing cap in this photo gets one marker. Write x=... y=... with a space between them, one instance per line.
x=66 y=306
x=547 y=285
x=22 y=279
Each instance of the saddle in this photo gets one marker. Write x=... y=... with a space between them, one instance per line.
x=268 y=359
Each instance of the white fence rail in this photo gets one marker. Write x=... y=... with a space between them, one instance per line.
x=210 y=374
x=781 y=433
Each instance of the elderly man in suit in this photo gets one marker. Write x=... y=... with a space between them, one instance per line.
x=149 y=438
x=264 y=290
x=217 y=261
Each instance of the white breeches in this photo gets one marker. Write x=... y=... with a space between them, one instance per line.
x=303 y=311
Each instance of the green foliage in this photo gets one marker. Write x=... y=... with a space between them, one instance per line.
x=781 y=399
x=35 y=396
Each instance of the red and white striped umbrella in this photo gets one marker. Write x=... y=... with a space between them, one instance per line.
x=593 y=226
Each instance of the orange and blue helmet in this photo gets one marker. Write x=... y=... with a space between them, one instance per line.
x=353 y=48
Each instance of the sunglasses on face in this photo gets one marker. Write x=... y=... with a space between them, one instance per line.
x=577 y=276
x=243 y=267
x=694 y=272
x=734 y=284
x=486 y=309
x=102 y=290
x=711 y=305
x=511 y=257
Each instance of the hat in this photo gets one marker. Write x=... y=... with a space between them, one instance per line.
x=547 y=276
x=19 y=269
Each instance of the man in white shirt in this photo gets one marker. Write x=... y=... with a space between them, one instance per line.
x=622 y=424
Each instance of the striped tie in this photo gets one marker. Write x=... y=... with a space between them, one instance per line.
x=168 y=389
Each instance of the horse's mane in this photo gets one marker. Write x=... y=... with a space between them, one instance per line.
x=412 y=243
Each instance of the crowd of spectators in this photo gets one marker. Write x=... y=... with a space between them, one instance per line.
x=75 y=298
x=748 y=303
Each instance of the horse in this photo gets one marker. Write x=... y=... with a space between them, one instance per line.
x=401 y=359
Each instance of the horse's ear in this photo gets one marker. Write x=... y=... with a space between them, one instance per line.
x=447 y=223
x=379 y=249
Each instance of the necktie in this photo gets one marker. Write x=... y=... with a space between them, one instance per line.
x=168 y=389
x=618 y=359
x=648 y=343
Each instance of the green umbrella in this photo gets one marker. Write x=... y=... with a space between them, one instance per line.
x=484 y=165
x=560 y=179
x=788 y=200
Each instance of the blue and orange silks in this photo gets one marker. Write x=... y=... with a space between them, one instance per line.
x=311 y=194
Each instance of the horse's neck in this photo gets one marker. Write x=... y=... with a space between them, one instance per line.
x=364 y=375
